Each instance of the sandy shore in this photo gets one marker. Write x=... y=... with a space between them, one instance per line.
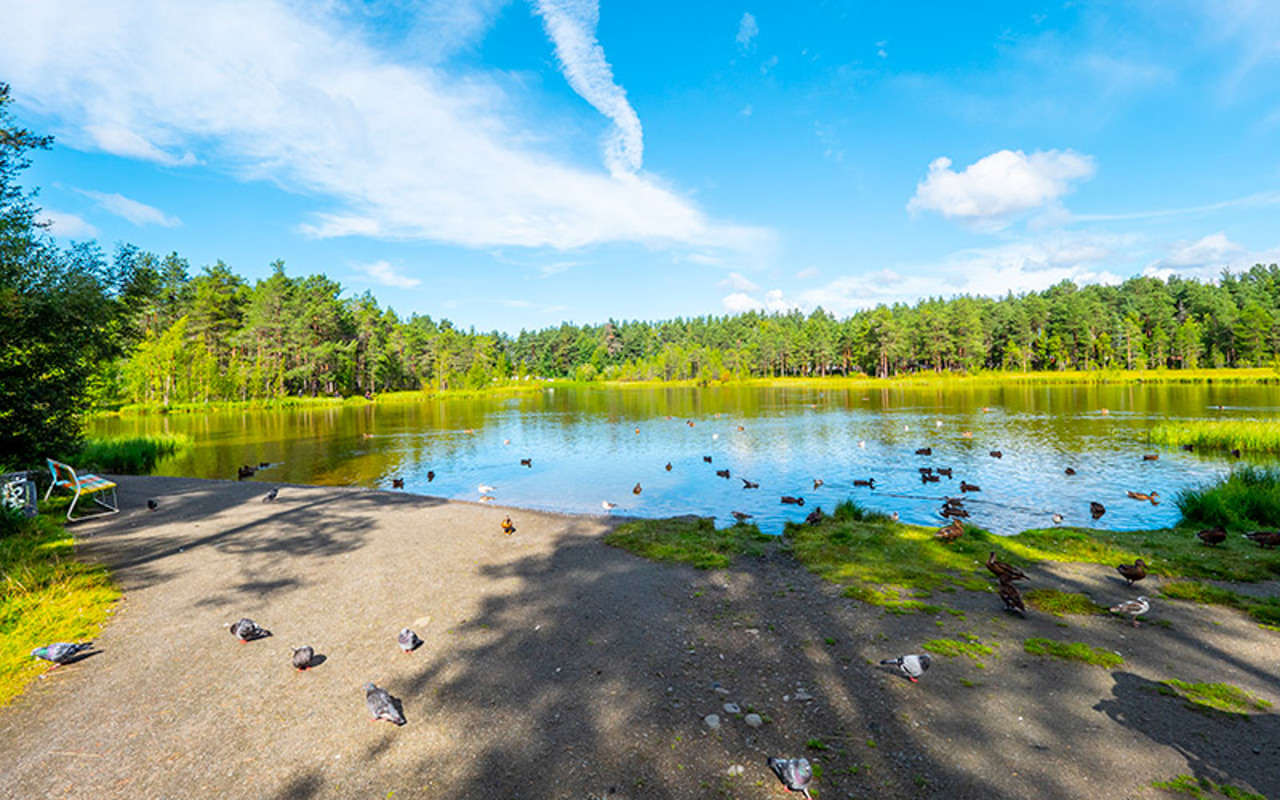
x=557 y=667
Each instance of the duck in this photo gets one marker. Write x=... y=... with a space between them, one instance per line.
x=870 y=483
x=668 y=467
x=996 y=454
x=746 y=484
x=1264 y=538
x=431 y=475
x=1133 y=572
x=926 y=478
x=925 y=451
x=1004 y=571
x=526 y=462
x=1096 y=509
x=792 y=501
x=740 y=516
x=707 y=459
x=814 y=517
x=969 y=487
x=1212 y=536
x=245 y=471
x=397 y=483
x=1188 y=448
x=925 y=470
x=1068 y=471
x=487 y=498
x=951 y=511
x=723 y=473
x=817 y=482
x=1151 y=457
x=1145 y=496
x=951 y=532
x=1057 y=519
x=741 y=428
x=637 y=488
x=508 y=527
x=944 y=471
x=1012 y=597
x=1134 y=608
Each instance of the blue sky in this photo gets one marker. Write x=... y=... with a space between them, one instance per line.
x=514 y=164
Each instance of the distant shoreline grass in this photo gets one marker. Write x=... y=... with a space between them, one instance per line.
x=132 y=455
x=1253 y=436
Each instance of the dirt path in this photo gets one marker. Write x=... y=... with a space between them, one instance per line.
x=557 y=667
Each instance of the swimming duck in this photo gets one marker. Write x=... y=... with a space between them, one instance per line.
x=526 y=462
x=636 y=489
x=792 y=501
x=1096 y=509
x=740 y=516
x=1134 y=608
x=951 y=511
x=1143 y=496
x=1212 y=536
x=944 y=471
x=1264 y=538
x=817 y=482
x=723 y=473
x=925 y=451
x=1004 y=571
x=870 y=483
x=746 y=484
x=1151 y=457
x=925 y=470
x=969 y=487
x=950 y=532
x=707 y=459
x=1057 y=519
x=925 y=478
x=668 y=466
x=397 y=483
x=246 y=472
x=508 y=527
x=1068 y=471
x=1133 y=572
x=431 y=476
x=996 y=454
x=1012 y=597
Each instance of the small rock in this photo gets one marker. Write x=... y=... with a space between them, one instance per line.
x=719 y=689
x=753 y=720
x=732 y=708
x=713 y=721
x=736 y=769
x=802 y=696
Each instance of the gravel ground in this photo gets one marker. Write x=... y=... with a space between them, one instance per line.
x=556 y=667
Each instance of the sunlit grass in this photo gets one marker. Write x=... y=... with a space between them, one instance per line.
x=1252 y=436
x=1204 y=789
x=950 y=648
x=1052 y=601
x=1221 y=697
x=45 y=596
x=1264 y=610
x=1073 y=651
x=133 y=455
x=1247 y=499
x=688 y=540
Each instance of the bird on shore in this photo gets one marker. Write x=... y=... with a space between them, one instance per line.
x=1057 y=519
x=951 y=532
x=408 y=640
x=60 y=653
x=271 y=495
x=487 y=498
x=1212 y=536
x=152 y=505
x=1004 y=571
x=485 y=488
x=870 y=483
x=380 y=705
x=792 y=501
x=1096 y=509
x=246 y=630
x=814 y=517
x=397 y=483
x=740 y=516
x=969 y=487
x=795 y=773
x=817 y=483
x=894 y=516
x=302 y=657
x=637 y=489
x=1152 y=496
x=607 y=506
x=1134 y=608
x=508 y=527
x=1266 y=539
x=1011 y=597
x=912 y=666
x=1133 y=572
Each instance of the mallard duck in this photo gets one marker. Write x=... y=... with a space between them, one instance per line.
x=930 y=478
x=746 y=484
x=741 y=428
x=707 y=459
x=1068 y=471
x=245 y=471
x=1134 y=608
x=950 y=532
x=1012 y=597
x=1264 y=538
x=723 y=473
x=1096 y=509
x=792 y=501
x=740 y=516
x=1151 y=457
x=969 y=487
x=668 y=467
x=1144 y=496
x=526 y=462
x=637 y=489
x=508 y=527
x=996 y=454
x=397 y=483
x=1004 y=571
x=870 y=483
x=925 y=451
x=952 y=512
x=1133 y=572
x=1057 y=519
x=1188 y=448
x=814 y=517
x=817 y=483
x=925 y=470
x=1235 y=452
x=431 y=475
x=1212 y=536
x=944 y=471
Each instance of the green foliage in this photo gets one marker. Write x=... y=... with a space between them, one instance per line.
x=135 y=455
x=1248 y=498
x=1220 y=697
x=1073 y=651
x=1254 y=436
x=950 y=648
x=1203 y=788
x=45 y=596
x=688 y=540
x=1052 y=601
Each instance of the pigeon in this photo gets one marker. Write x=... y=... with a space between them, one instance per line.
x=1011 y=596
x=271 y=495
x=913 y=666
x=408 y=640
x=380 y=705
x=1134 y=608
x=60 y=652
x=1133 y=572
x=636 y=489
x=152 y=505
x=508 y=527
x=1004 y=571
x=746 y=484
x=1212 y=536
x=795 y=773
x=246 y=630
x=302 y=657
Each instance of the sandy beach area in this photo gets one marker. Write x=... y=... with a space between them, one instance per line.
x=554 y=666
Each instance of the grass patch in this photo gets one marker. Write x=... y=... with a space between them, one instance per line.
x=1203 y=789
x=1220 y=697
x=688 y=540
x=45 y=596
x=1265 y=610
x=1073 y=651
x=1258 y=436
x=950 y=648
x=1247 y=499
x=135 y=455
x=1052 y=601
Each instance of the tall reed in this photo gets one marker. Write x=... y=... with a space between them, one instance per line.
x=135 y=455
x=1254 y=436
x=1248 y=498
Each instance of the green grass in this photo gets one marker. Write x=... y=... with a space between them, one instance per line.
x=1248 y=499
x=1221 y=697
x=1266 y=610
x=1252 y=436
x=1073 y=651
x=135 y=455
x=45 y=596
x=1203 y=789
x=950 y=648
x=689 y=540
x=1052 y=601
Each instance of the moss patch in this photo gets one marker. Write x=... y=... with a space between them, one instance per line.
x=1204 y=789
x=1052 y=601
x=689 y=540
x=950 y=648
x=1072 y=651
x=1221 y=697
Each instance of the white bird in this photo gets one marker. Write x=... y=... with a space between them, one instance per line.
x=862 y=443
x=938 y=423
x=1134 y=608
x=485 y=489
x=1057 y=519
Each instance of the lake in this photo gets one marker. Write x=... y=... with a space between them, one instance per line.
x=588 y=446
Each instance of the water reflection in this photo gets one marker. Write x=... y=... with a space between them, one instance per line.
x=591 y=446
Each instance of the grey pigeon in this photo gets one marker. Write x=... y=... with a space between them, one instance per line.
x=913 y=666
x=380 y=705
x=302 y=656
x=1134 y=608
x=408 y=640
x=60 y=652
x=246 y=630
x=272 y=495
x=795 y=773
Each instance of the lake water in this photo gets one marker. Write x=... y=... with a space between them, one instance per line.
x=588 y=446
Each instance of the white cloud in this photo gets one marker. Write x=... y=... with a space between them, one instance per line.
x=1205 y=258
x=747 y=31
x=740 y=303
x=1000 y=185
x=775 y=300
x=297 y=96
x=738 y=281
x=66 y=225
x=385 y=274
x=808 y=272
x=139 y=214
x=571 y=24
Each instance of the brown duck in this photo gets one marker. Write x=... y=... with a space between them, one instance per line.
x=1264 y=538
x=1144 y=496
x=1003 y=571
x=508 y=527
x=950 y=532
x=1096 y=509
x=1212 y=536
x=969 y=487
x=1133 y=572
x=870 y=483
x=792 y=501
x=1012 y=597
x=925 y=451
